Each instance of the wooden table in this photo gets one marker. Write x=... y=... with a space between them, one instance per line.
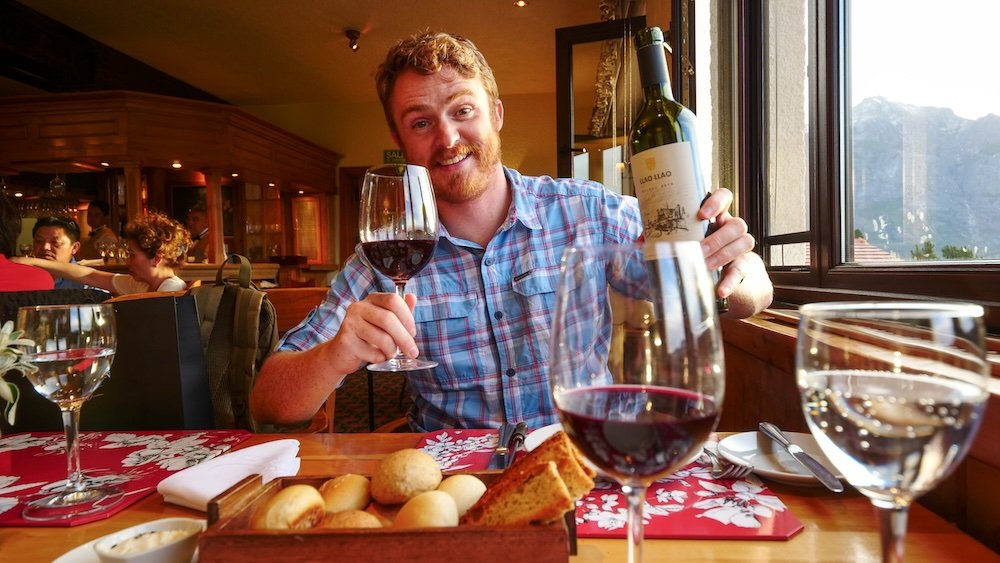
x=837 y=527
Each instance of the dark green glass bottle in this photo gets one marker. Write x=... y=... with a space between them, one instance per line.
x=666 y=175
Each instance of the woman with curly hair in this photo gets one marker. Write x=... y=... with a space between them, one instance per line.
x=157 y=247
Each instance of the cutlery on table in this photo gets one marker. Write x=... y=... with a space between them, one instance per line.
x=499 y=459
x=726 y=469
x=516 y=441
x=824 y=475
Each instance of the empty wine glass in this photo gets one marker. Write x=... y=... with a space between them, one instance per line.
x=73 y=347
x=636 y=365
x=894 y=394
x=399 y=230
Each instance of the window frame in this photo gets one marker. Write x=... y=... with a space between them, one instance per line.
x=829 y=277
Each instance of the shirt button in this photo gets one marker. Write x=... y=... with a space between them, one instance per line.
x=510 y=372
x=498 y=315
x=488 y=261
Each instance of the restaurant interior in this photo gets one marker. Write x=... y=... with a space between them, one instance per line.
x=265 y=115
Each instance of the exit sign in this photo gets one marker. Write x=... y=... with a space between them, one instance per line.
x=393 y=156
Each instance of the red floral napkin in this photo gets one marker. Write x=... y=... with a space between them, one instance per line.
x=32 y=463
x=686 y=505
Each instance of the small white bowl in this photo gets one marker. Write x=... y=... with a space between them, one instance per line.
x=176 y=550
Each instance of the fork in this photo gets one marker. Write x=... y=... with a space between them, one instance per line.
x=727 y=469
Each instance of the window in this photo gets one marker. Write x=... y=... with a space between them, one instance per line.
x=869 y=145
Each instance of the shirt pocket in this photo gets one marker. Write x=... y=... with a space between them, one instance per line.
x=451 y=330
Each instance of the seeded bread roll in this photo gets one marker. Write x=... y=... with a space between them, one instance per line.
x=350 y=519
x=430 y=509
x=465 y=489
x=293 y=508
x=403 y=475
x=346 y=492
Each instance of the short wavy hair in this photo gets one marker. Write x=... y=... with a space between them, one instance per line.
x=159 y=235
x=428 y=53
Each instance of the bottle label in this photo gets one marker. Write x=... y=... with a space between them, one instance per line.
x=669 y=196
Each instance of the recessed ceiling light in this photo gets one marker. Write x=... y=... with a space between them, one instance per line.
x=235 y=174
x=301 y=192
x=521 y=3
x=105 y=164
x=270 y=184
x=18 y=194
x=176 y=164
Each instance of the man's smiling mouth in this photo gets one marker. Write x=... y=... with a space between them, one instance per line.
x=453 y=160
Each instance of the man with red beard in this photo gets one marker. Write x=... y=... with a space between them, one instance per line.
x=482 y=307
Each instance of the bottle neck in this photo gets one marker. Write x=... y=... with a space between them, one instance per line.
x=653 y=73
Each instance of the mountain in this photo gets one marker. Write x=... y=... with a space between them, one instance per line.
x=923 y=172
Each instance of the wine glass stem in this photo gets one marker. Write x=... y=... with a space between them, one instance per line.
x=635 y=496
x=71 y=425
x=893 y=526
x=400 y=291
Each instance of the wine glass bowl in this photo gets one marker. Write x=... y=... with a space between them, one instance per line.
x=894 y=394
x=398 y=227
x=636 y=364
x=73 y=348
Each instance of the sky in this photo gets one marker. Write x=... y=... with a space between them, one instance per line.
x=928 y=53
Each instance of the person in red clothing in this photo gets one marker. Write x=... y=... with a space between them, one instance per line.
x=16 y=277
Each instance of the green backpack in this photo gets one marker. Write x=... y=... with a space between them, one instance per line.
x=238 y=332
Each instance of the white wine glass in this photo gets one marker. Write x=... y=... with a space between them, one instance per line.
x=894 y=394
x=398 y=227
x=73 y=347
x=636 y=365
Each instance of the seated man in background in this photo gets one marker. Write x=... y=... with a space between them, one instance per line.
x=482 y=307
x=57 y=239
x=157 y=246
x=197 y=225
x=101 y=234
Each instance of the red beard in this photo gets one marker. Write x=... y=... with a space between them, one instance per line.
x=458 y=187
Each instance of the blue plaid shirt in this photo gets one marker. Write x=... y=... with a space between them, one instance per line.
x=484 y=315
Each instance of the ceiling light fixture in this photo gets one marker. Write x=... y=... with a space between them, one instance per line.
x=521 y=3
x=235 y=174
x=175 y=164
x=352 y=37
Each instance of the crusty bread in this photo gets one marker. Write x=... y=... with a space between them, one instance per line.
x=430 y=509
x=293 y=508
x=350 y=519
x=465 y=489
x=538 y=488
x=346 y=492
x=527 y=494
x=578 y=476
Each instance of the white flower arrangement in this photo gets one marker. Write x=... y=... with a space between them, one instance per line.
x=10 y=359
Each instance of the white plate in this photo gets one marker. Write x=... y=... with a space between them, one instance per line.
x=771 y=460
x=85 y=553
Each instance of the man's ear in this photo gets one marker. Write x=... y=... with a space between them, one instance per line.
x=498 y=115
x=74 y=248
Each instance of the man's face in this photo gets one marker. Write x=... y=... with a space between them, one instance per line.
x=52 y=243
x=447 y=124
x=96 y=217
x=196 y=222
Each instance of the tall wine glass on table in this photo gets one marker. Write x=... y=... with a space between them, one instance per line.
x=636 y=363
x=73 y=347
x=399 y=230
x=894 y=394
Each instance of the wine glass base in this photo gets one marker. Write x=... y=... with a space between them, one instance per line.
x=402 y=364
x=67 y=504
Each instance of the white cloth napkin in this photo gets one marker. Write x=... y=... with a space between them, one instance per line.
x=195 y=486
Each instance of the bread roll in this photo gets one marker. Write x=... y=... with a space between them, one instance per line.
x=346 y=492
x=350 y=519
x=294 y=507
x=465 y=489
x=403 y=475
x=430 y=509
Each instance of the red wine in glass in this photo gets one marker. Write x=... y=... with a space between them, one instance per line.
x=649 y=432
x=398 y=228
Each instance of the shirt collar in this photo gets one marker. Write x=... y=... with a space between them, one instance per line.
x=524 y=204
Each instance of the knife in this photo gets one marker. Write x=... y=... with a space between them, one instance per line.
x=499 y=459
x=516 y=441
x=824 y=475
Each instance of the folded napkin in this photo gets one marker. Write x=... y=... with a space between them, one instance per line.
x=195 y=486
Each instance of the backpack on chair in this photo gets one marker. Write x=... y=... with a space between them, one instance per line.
x=238 y=332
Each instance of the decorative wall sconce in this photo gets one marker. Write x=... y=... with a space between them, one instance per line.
x=352 y=37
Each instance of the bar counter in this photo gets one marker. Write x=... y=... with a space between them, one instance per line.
x=203 y=272
x=837 y=527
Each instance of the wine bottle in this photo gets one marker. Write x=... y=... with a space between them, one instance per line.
x=666 y=175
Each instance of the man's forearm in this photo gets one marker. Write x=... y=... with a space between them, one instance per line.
x=292 y=386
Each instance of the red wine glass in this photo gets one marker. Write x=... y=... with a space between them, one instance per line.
x=636 y=365
x=399 y=230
